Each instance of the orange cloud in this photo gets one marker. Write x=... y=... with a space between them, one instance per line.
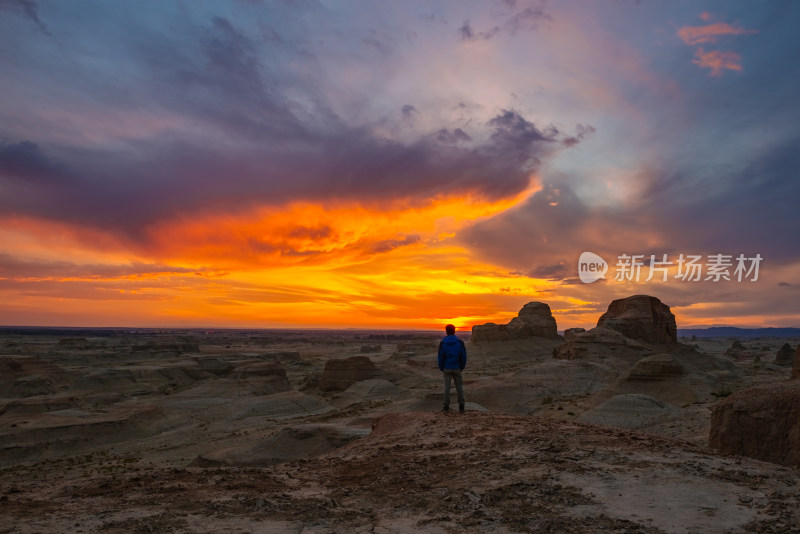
x=718 y=61
x=345 y=264
x=338 y=234
x=710 y=33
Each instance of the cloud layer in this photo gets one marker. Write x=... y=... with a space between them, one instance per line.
x=397 y=164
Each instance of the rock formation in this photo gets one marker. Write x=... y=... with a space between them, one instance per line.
x=785 y=356
x=600 y=343
x=796 y=366
x=761 y=422
x=533 y=320
x=26 y=376
x=261 y=379
x=570 y=332
x=641 y=317
x=341 y=374
x=656 y=367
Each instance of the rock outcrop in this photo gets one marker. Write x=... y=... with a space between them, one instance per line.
x=27 y=376
x=657 y=367
x=600 y=343
x=761 y=422
x=641 y=317
x=796 y=366
x=570 y=332
x=261 y=378
x=785 y=356
x=533 y=320
x=341 y=374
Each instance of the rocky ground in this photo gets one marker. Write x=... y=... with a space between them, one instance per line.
x=260 y=432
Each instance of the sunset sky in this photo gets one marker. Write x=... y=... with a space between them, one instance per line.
x=393 y=164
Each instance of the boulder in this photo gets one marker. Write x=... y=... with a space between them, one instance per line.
x=761 y=422
x=482 y=333
x=340 y=374
x=533 y=320
x=261 y=379
x=735 y=348
x=785 y=356
x=600 y=343
x=796 y=366
x=657 y=367
x=641 y=317
x=570 y=332
x=214 y=365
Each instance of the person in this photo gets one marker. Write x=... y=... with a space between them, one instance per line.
x=452 y=360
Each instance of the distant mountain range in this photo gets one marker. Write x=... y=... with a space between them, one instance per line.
x=732 y=331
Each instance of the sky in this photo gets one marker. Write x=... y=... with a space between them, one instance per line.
x=399 y=164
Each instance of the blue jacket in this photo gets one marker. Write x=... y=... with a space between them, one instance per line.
x=452 y=353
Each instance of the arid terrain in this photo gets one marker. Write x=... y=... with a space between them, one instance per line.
x=322 y=431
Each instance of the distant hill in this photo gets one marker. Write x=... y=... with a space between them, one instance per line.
x=732 y=331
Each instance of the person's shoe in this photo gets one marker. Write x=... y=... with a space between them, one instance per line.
x=446 y=408
x=461 y=408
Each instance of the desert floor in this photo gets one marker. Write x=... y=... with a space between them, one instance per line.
x=239 y=431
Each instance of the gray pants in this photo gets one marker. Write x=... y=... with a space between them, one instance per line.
x=455 y=374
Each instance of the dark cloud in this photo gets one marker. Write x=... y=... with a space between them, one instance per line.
x=314 y=233
x=391 y=244
x=372 y=41
x=582 y=132
x=558 y=271
x=27 y=8
x=408 y=110
x=25 y=160
x=215 y=73
x=528 y=19
x=13 y=268
x=513 y=135
x=672 y=216
x=466 y=33
x=451 y=138
x=126 y=192
x=739 y=210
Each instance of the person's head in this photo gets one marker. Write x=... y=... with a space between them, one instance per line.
x=450 y=329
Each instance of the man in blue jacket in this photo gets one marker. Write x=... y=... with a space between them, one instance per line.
x=452 y=360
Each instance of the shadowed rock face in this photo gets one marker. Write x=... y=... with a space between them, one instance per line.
x=341 y=374
x=796 y=366
x=27 y=376
x=641 y=317
x=570 y=332
x=600 y=343
x=533 y=320
x=761 y=422
x=655 y=367
x=785 y=356
x=262 y=378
